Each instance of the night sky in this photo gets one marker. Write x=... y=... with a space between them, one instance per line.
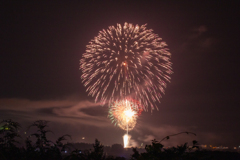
x=42 y=43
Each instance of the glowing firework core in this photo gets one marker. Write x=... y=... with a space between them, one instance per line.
x=129 y=114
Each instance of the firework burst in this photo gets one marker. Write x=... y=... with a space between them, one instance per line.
x=124 y=113
x=125 y=61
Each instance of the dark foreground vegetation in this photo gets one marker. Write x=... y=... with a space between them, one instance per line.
x=43 y=149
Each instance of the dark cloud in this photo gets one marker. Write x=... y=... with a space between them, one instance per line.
x=96 y=111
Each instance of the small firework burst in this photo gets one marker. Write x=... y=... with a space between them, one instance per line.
x=124 y=113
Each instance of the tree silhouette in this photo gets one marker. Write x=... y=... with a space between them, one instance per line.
x=44 y=149
x=156 y=151
x=9 y=132
x=8 y=135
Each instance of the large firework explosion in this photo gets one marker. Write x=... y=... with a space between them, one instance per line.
x=125 y=61
x=124 y=113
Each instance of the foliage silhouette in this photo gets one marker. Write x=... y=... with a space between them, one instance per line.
x=41 y=149
x=168 y=137
x=156 y=151
x=44 y=149
x=96 y=154
x=8 y=135
x=9 y=131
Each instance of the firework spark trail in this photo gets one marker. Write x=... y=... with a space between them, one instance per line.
x=125 y=61
x=126 y=139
